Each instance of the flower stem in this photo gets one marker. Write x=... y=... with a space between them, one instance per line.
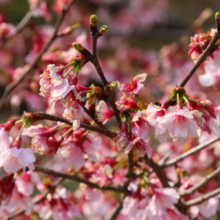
x=69 y=72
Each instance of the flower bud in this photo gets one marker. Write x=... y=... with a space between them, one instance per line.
x=103 y=29
x=113 y=84
x=77 y=46
x=93 y=20
x=217 y=20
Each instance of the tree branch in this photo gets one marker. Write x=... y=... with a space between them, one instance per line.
x=158 y=170
x=14 y=84
x=42 y=115
x=81 y=180
x=203 y=198
x=201 y=183
x=190 y=152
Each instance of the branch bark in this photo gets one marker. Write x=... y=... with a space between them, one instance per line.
x=203 y=198
x=190 y=152
x=201 y=183
x=42 y=115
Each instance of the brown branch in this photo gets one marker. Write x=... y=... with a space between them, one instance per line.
x=14 y=84
x=108 y=90
x=117 y=209
x=43 y=195
x=201 y=59
x=190 y=152
x=203 y=198
x=201 y=183
x=158 y=170
x=42 y=115
x=81 y=180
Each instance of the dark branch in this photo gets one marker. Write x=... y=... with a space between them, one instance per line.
x=42 y=115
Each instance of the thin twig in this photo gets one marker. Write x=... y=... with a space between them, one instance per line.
x=203 y=198
x=201 y=183
x=19 y=28
x=43 y=195
x=14 y=84
x=42 y=115
x=81 y=180
x=190 y=152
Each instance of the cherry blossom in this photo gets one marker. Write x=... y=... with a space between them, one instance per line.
x=104 y=113
x=181 y=124
x=15 y=158
x=25 y=183
x=135 y=85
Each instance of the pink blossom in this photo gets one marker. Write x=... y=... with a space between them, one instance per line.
x=125 y=103
x=60 y=88
x=135 y=85
x=140 y=146
x=214 y=123
x=46 y=77
x=16 y=158
x=74 y=111
x=25 y=182
x=40 y=135
x=6 y=30
x=75 y=150
x=212 y=74
x=4 y=139
x=18 y=201
x=103 y=112
x=139 y=126
x=59 y=205
x=122 y=137
x=162 y=200
x=180 y=123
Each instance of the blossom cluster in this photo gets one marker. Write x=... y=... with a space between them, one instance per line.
x=99 y=143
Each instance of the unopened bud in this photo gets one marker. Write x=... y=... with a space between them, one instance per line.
x=113 y=84
x=217 y=16
x=77 y=46
x=93 y=20
x=217 y=20
x=103 y=29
